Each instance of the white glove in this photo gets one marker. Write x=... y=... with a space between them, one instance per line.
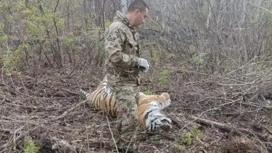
x=143 y=64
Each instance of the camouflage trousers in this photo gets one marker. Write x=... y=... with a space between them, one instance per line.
x=125 y=98
x=126 y=121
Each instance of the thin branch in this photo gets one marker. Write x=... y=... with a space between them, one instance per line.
x=69 y=110
x=114 y=141
x=134 y=134
x=226 y=127
x=261 y=7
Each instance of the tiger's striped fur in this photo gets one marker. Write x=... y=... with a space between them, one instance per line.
x=148 y=112
x=103 y=99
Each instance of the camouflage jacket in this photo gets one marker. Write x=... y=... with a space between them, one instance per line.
x=122 y=51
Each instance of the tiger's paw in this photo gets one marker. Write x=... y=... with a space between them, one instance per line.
x=166 y=127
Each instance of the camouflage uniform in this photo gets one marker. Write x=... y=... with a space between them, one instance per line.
x=122 y=51
x=122 y=72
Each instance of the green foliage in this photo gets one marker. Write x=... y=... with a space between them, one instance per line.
x=157 y=142
x=3 y=5
x=205 y=8
x=44 y=22
x=164 y=77
x=155 y=54
x=19 y=5
x=193 y=135
x=148 y=92
x=1 y=26
x=171 y=55
x=199 y=59
x=187 y=138
x=37 y=24
x=13 y=58
x=29 y=146
x=60 y=22
x=68 y=42
x=196 y=132
x=29 y=12
x=98 y=29
x=107 y=23
x=216 y=110
x=179 y=148
x=269 y=19
x=3 y=36
x=33 y=28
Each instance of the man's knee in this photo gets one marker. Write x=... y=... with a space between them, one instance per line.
x=126 y=95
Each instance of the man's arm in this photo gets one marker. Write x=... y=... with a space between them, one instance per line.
x=114 y=41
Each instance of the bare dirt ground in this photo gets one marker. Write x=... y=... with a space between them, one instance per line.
x=209 y=115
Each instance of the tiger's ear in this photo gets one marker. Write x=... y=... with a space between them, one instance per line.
x=166 y=95
x=138 y=95
x=141 y=94
x=137 y=98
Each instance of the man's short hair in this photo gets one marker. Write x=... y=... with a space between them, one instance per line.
x=137 y=4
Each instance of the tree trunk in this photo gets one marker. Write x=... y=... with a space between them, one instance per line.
x=124 y=6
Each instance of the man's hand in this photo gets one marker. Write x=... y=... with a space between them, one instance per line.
x=143 y=63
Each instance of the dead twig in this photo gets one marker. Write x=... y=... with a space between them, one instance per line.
x=269 y=131
x=163 y=135
x=6 y=130
x=3 y=100
x=134 y=134
x=114 y=141
x=62 y=144
x=103 y=143
x=202 y=113
x=226 y=127
x=4 y=83
x=69 y=110
x=176 y=122
x=71 y=92
x=19 y=137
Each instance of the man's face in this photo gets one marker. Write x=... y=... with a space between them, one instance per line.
x=140 y=16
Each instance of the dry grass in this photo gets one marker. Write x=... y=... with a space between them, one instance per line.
x=50 y=109
x=217 y=61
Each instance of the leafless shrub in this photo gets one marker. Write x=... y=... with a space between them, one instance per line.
x=220 y=35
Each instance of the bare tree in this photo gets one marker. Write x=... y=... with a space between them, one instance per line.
x=224 y=31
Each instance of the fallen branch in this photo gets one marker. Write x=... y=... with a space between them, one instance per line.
x=269 y=131
x=105 y=143
x=4 y=99
x=195 y=118
x=161 y=134
x=176 y=122
x=63 y=144
x=71 y=92
x=6 y=130
x=15 y=139
x=226 y=127
x=69 y=110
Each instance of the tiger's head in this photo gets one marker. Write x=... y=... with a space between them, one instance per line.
x=149 y=113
